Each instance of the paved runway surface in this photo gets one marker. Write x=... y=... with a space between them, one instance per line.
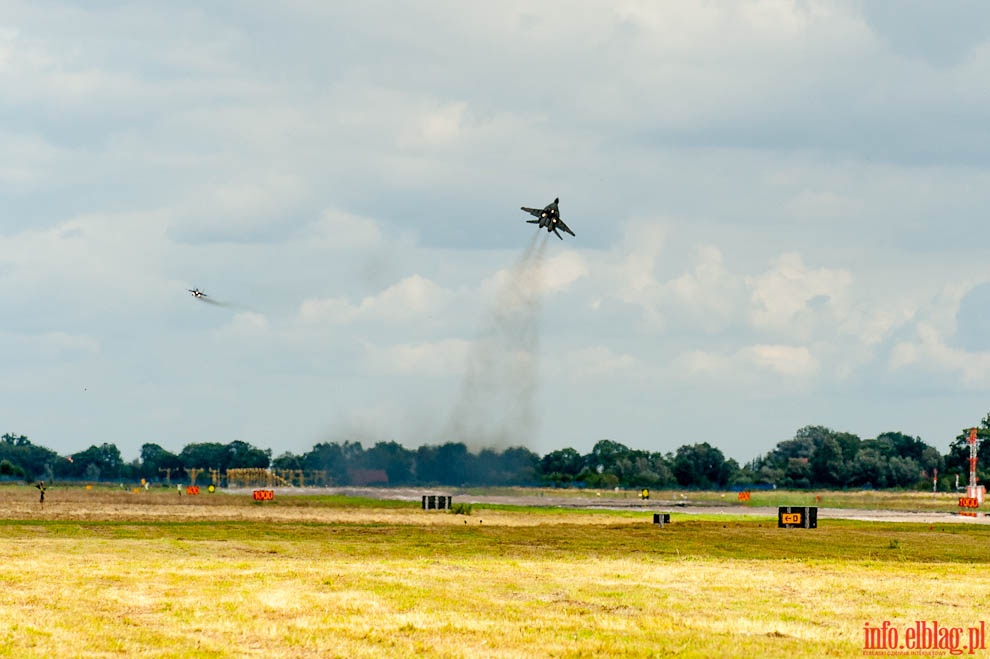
x=633 y=502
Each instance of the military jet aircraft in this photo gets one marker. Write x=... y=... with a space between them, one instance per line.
x=549 y=218
x=203 y=297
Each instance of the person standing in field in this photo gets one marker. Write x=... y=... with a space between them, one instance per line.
x=41 y=488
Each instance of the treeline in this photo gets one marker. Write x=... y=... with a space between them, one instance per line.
x=816 y=457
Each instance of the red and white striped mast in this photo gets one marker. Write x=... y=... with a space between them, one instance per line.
x=974 y=491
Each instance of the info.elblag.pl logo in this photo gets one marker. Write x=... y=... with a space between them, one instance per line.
x=923 y=638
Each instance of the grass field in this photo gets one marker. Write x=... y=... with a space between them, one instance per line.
x=851 y=499
x=114 y=573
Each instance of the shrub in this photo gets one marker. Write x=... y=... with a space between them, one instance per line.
x=9 y=469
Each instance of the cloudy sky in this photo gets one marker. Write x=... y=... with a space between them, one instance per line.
x=780 y=211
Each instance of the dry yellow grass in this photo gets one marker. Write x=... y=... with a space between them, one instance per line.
x=101 y=574
x=110 y=504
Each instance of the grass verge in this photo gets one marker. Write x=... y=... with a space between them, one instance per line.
x=331 y=580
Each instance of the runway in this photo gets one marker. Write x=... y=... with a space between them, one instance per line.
x=632 y=502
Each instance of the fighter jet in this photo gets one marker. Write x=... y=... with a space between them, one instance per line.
x=549 y=218
x=206 y=299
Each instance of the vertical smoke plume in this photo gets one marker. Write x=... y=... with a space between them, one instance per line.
x=496 y=405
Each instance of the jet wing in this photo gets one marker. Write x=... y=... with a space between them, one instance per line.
x=564 y=227
x=535 y=212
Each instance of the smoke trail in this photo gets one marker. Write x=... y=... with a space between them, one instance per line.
x=496 y=405
x=226 y=305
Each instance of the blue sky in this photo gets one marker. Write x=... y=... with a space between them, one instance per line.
x=779 y=207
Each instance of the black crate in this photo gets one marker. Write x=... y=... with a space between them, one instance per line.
x=436 y=502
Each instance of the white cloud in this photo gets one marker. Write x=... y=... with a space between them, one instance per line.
x=58 y=344
x=787 y=318
x=268 y=196
x=28 y=158
x=825 y=204
x=246 y=324
x=332 y=310
x=337 y=229
x=429 y=359
x=563 y=270
x=111 y=253
x=749 y=362
x=708 y=296
x=635 y=273
x=414 y=297
x=600 y=361
x=538 y=277
x=788 y=299
x=433 y=127
x=795 y=361
x=930 y=353
x=783 y=295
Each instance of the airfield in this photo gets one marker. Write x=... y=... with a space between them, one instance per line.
x=108 y=571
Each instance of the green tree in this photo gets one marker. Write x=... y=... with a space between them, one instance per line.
x=154 y=457
x=932 y=460
x=241 y=455
x=32 y=459
x=798 y=474
x=395 y=459
x=702 y=466
x=650 y=470
x=453 y=461
x=288 y=460
x=11 y=439
x=560 y=467
x=328 y=457
x=903 y=472
x=204 y=455
x=448 y=464
x=869 y=469
x=827 y=466
x=104 y=461
x=605 y=454
x=801 y=447
x=518 y=466
x=817 y=455
x=849 y=444
x=10 y=470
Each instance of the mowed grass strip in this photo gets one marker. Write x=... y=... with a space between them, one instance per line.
x=590 y=535
x=495 y=583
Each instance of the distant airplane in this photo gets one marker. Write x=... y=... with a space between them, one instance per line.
x=203 y=297
x=549 y=218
